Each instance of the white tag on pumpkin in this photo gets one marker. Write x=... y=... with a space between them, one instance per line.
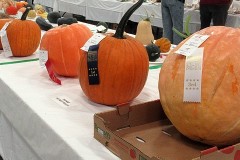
x=193 y=76
x=19 y=15
x=43 y=57
x=94 y=40
x=189 y=47
x=5 y=43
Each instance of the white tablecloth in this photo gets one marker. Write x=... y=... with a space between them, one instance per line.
x=33 y=126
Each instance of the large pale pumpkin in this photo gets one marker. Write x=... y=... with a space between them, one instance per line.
x=216 y=120
x=63 y=44
x=23 y=36
x=122 y=66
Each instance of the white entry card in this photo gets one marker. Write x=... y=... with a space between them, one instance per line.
x=192 y=44
x=94 y=40
x=193 y=76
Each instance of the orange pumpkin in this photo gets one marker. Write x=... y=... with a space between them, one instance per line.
x=122 y=67
x=164 y=44
x=21 y=4
x=216 y=120
x=23 y=36
x=63 y=44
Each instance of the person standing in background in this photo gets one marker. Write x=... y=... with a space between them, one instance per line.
x=172 y=16
x=214 y=10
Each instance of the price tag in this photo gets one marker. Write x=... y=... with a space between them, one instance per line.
x=6 y=46
x=189 y=47
x=5 y=43
x=193 y=76
x=43 y=57
x=94 y=40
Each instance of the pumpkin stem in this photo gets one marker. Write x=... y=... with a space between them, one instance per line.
x=24 y=16
x=122 y=24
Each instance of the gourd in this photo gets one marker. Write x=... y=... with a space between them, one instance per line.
x=164 y=44
x=216 y=120
x=63 y=44
x=53 y=17
x=122 y=67
x=104 y=24
x=23 y=36
x=65 y=20
x=32 y=14
x=11 y=10
x=43 y=24
x=144 y=31
x=153 y=52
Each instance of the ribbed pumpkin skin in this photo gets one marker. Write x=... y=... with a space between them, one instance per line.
x=216 y=120
x=24 y=37
x=63 y=44
x=123 y=69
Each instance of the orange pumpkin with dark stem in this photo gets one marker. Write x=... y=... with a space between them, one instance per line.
x=23 y=36
x=122 y=67
x=63 y=44
x=216 y=120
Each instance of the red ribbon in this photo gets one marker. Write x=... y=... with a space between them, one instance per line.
x=51 y=73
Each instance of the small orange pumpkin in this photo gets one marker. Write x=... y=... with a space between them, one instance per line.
x=216 y=120
x=122 y=67
x=164 y=44
x=23 y=36
x=63 y=44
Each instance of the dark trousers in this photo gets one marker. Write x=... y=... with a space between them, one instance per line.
x=217 y=13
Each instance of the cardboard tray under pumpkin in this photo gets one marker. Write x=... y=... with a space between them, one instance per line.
x=142 y=132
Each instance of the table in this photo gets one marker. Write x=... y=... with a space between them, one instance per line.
x=35 y=126
x=112 y=11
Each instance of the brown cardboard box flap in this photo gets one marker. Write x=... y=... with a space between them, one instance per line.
x=146 y=134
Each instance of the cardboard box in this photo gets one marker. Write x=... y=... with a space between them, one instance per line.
x=143 y=132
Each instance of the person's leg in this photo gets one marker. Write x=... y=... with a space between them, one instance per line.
x=177 y=11
x=220 y=13
x=167 y=20
x=205 y=16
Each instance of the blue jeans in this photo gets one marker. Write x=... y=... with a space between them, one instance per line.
x=172 y=16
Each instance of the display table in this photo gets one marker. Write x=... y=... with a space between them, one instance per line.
x=36 y=123
x=113 y=10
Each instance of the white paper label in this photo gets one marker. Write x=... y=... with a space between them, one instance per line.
x=19 y=15
x=43 y=57
x=64 y=101
x=192 y=44
x=193 y=76
x=95 y=39
x=101 y=28
x=5 y=43
x=2 y=11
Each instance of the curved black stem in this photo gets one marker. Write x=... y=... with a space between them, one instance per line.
x=122 y=24
x=24 y=16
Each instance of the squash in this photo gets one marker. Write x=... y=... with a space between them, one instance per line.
x=122 y=67
x=216 y=120
x=164 y=44
x=23 y=36
x=144 y=31
x=53 y=17
x=43 y=24
x=20 y=4
x=104 y=24
x=153 y=52
x=63 y=44
x=11 y=10
x=65 y=20
x=32 y=14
